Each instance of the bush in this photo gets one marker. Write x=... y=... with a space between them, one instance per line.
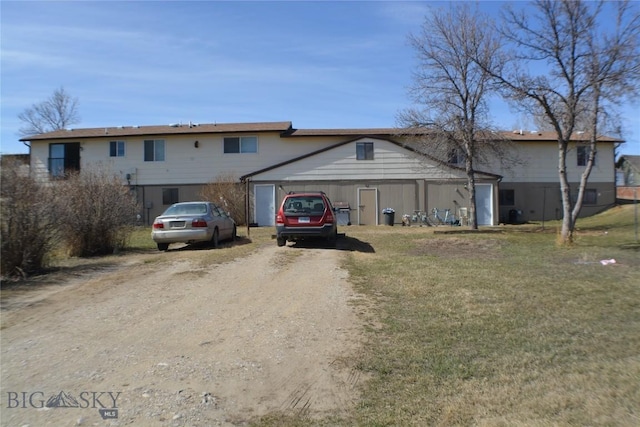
x=228 y=193
x=28 y=221
x=96 y=212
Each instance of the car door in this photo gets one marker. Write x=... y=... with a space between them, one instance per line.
x=223 y=221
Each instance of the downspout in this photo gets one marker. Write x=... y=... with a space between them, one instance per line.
x=246 y=206
x=30 y=168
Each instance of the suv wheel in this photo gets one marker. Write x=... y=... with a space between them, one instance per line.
x=163 y=246
x=281 y=241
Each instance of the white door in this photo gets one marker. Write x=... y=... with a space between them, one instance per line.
x=484 y=203
x=264 y=204
x=367 y=206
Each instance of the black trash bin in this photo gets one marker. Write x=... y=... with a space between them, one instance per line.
x=514 y=216
x=389 y=216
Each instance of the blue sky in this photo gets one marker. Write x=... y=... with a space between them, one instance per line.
x=317 y=64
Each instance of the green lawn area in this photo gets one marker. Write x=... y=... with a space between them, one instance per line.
x=502 y=328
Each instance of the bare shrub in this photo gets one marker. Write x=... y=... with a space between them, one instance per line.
x=229 y=193
x=96 y=212
x=27 y=221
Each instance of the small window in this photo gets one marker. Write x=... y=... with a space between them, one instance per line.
x=583 y=155
x=590 y=196
x=455 y=157
x=154 y=150
x=245 y=144
x=116 y=149
x=170 y=196
x=364 y=151
x=507 y=197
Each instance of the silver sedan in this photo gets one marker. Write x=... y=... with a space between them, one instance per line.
x=191 y=222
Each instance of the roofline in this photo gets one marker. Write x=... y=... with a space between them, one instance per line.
x=155 y=130
x=285 y=129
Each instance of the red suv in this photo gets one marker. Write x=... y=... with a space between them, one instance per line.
x=305 y=215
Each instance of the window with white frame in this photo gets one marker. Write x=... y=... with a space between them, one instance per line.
x=583 y=155
x=456 y=156
x=154 y=150
x=364 y=151
x=241 y=144
x=116 y=149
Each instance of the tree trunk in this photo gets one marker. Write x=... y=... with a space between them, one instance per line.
x=471 y=185
x=566 y=233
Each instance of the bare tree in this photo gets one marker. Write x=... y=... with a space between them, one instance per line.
x=571 y=65
x=450 y=91
x=96 y=211
x=28 y=224
x=55 y=113
x=227 y=192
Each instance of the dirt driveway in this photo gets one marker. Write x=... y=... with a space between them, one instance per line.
x=167 y=340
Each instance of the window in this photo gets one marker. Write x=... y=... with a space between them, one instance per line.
x=64 y=158
x=583 y=155
x=244 y=144
x=455 y=157
x=364 y=151
x=507 y=197
x=170 y=196
x=116 y=148
x=590 y=196
x=154 y=150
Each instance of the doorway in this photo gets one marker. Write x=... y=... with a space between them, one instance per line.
x=264 y=204
x=367 y=206
x=484 y=203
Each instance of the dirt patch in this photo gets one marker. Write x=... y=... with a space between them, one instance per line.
x=178 y=344
x=457 y=247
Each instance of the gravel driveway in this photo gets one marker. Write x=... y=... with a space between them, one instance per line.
x=165 y=340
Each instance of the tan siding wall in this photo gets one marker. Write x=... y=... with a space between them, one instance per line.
x=390 y=162
x=538 y=162
x=403 y=196
x=184 y=164
x=540 y=201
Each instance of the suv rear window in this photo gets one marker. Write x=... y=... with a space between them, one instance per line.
x=313 y=205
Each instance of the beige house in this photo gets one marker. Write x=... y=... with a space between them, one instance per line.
x=365 y=169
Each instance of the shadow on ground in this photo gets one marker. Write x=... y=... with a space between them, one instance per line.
x=240 y=240
x=344 y=243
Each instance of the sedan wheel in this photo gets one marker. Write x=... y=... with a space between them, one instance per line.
x=163 y=246
x=215 y=239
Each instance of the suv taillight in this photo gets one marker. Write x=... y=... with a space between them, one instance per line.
x=158 y=224
x=279 y=218
x=198 y=223
x=329 y=217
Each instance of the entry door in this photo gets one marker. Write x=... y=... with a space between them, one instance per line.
x=484 y=203
x=367 y=206
x=265 y=204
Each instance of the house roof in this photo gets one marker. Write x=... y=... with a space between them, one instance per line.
x=285 y=128
x=173 y=129
x=525 y=135
x=632 y=162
